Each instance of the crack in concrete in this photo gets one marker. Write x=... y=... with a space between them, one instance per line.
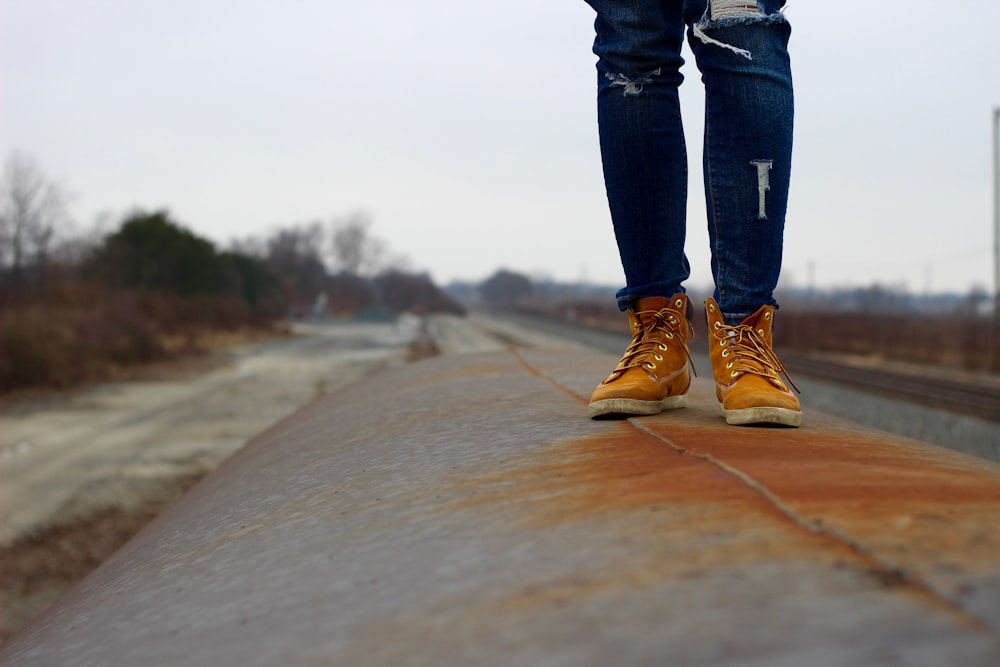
x=883 y=568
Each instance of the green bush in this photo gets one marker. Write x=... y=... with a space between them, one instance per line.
x=152 y=252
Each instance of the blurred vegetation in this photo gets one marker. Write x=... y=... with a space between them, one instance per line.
x=875 y=322
x=76 y=309
x=151 y=252
x=506 y=288
x=149 y=292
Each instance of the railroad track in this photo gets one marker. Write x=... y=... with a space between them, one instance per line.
x=978 y=399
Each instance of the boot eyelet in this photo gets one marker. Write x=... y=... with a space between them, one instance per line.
x=662 y=347
x=767 y=316
x=673 y=320
x=651 y=366
x=734 y=373
x=718 y=325
x=670 y=336
x=760 y=331
x=658 y=357
x=679 y=303
x=711 y=308
x=725 y=353
x=729 y=365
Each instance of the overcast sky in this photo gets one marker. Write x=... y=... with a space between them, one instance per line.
x=467 y=129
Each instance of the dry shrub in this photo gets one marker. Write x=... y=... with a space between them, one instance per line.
x=960 y=342
x=70 y=333
x=62 y=342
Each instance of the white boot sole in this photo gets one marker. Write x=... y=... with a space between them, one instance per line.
x=631 y=406
x=747 y=416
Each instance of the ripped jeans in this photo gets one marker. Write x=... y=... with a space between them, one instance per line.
x=740 y=47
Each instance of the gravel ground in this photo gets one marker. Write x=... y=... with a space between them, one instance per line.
x=978 y=437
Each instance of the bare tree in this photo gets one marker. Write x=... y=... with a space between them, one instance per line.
x=294 y=253
x=251 y=246
x=74 y=244
x=354 y=250
x=32 y=208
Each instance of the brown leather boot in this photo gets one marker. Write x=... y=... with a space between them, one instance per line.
x=747 y=371
x=653 y=374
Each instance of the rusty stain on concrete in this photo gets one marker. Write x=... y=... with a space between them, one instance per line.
x=925 y=515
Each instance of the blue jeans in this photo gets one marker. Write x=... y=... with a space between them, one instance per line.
x=740 y=47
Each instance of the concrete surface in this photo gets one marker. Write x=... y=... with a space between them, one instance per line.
x=462 y=510
x=102 y=445
x=120 y=443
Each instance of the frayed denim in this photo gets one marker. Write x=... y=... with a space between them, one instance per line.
x=740 y=47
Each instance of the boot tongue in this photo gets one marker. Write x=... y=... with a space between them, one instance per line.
x=761 y=321
x=758 y=319
x=653 y=303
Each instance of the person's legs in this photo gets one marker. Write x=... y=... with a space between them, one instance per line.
x=638 y=44
x=741 y=49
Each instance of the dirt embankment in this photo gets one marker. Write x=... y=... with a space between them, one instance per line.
x=39 y=567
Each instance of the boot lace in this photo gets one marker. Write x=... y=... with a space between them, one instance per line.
x=751 y=354
x=648 y=344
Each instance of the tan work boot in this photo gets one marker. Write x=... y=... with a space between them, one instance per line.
x=653 y=374
x=747 y=371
